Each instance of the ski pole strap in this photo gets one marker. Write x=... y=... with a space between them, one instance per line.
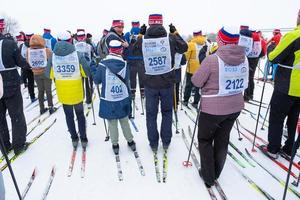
x=290 y=67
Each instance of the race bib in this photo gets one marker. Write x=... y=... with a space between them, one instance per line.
x=37 y=58
x=157 y=55
x=246 y=42
x=232 y=79
x=177 y=60
x=115 y=89
x=256 y=50
x=85 y=48
x=24 y=51
x=66 y=67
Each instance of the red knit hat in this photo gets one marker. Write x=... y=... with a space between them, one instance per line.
x=115 y=46
x=155 y=19
x=228 y=35
x=2 y=24
x=117 y=23
x=197 y=33
x=243 y=27
x=47 y=30
x=276 y=31
x=135 y=24
x=20 y=37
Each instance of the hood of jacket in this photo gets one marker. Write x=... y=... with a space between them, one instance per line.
x=156 y=31
x=63 y=48
x=200 y=40
x=36 y=41
x=114 y=63
x=231 y=54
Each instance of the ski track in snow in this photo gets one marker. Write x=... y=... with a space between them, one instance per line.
x=101 y=180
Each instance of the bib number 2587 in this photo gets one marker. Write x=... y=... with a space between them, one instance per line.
x=234 y=84
x=159 y=60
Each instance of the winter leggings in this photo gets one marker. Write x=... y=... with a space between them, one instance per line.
x=282 y=106
x=68 y=109
x=88 y=89
x=136 y=68
x=113 y=130
x=153 y=96
x=28 y=74
x=44 y=84
x=14 y=105
x=188 y=89
x=252 y=67
x=213 y=139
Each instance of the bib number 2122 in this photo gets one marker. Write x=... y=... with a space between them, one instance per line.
x=234 y=84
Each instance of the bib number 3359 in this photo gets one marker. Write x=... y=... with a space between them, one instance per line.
x=65 y=68
x=234 y=84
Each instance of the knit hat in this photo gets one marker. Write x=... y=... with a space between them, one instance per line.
x=80 y=29
x=155 y=19
x=197 y=32
x=2 y=23
x=115 y=46
x=20 y=37
x=47 y=30
x=242 y=27
x=64 y=36
x=28 y=35
x=276 y=31
x=135 y=24
x=228 y=35
x=117 y=23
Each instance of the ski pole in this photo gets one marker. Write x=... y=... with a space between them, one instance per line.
x=142 y=103
x=2 y=147
x=105 y=127
x=262 y=126
x=187 y=162
x=294 y=149
x=238 y=129
x=259 y=108
x=89 y=82
x=175 y=109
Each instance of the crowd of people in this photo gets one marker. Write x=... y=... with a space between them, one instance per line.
x=219 y=75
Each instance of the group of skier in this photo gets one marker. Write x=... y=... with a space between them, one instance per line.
x=222 y=72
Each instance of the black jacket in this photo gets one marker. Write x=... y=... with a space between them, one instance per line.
x=11 y=58
x=177 y=45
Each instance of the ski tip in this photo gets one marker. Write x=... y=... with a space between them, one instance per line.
x=187 y=164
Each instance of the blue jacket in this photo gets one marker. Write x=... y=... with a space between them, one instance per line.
x=131 y=38
x=48 y=36
x=111 y=109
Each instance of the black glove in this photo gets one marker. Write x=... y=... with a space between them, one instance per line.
x=143 y=29
x=172 y=28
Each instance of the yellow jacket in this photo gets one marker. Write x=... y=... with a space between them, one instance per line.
x=192 y=54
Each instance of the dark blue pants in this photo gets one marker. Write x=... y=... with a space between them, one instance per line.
x=68 y=109
x=188 y=89
x=282 y=106
x=153 y=96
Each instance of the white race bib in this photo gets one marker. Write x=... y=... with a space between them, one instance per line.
x=115 y=89
x=177 y=60
x=256 y=50
x=83 y=47
x=246 y=42
x=48 y=43
x=66 y=67
x=37 y=58
x=157 y=55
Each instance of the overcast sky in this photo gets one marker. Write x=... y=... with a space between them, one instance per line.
x=186 y=15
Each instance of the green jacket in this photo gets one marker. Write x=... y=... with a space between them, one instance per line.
x=287 y=56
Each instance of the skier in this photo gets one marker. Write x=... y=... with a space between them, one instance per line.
x=222 y=80
x=12 y=101
x=27 y=72
x=135 y=62
x=159 y=75
x=2 y=189
x=68 y=67
x=49 y=39
x=285 y=101
x=113 y=73
x=100 y=49
x=87 y=50
x=37 y=56
x=194 y=47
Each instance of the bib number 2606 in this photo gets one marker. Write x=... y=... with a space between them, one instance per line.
x=234 y=84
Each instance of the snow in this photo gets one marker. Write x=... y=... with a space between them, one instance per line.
x=101 y=181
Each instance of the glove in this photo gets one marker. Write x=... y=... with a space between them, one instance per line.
x=143 y=29
x=172 y=28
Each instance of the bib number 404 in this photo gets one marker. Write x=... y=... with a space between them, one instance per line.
x=234 y=84
x=116 y=89
x=158 y=60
